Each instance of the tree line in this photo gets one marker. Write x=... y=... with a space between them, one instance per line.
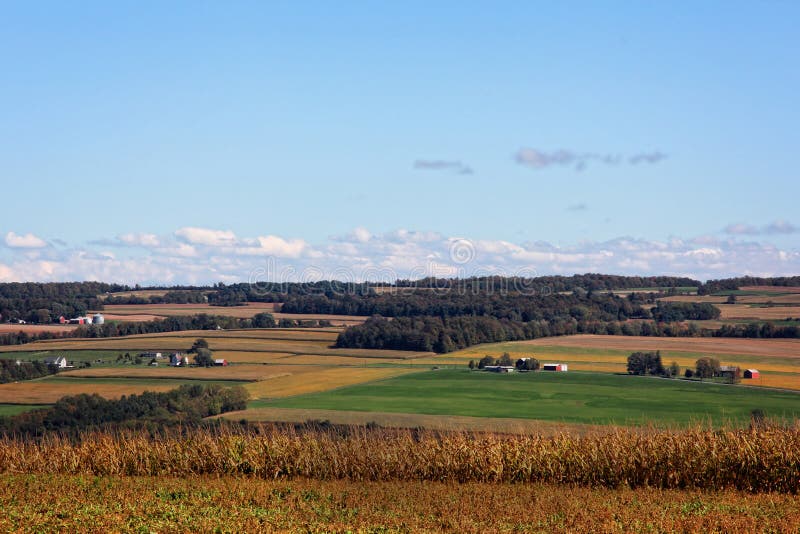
x=514 y=306
x=45 y=302
x=170 y=297
x=729 y=284
x=185 y=406
x=169 y=324
x=13 y=370
x=446 y=334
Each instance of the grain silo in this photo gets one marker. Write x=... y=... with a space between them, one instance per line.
x=98 y=319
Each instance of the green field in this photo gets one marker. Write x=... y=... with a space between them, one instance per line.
x=589 y=398
x=14 y=409
x=175 y=382
x=108 y=357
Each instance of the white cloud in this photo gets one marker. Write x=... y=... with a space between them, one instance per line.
x=273 y=246
x=24 y=241
x=206 y=236
x=773 y=228
x=361 y=234
x=361 y=255
x=140 y=240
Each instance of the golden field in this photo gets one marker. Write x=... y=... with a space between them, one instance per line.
x=34 y=329
x=77 y=503
x=761 y=459
x=278 y=362
x=786 y=299
x=230 y=372
x=747 y=311
x=48 y=392
x=299 y=380
x=299 y=341
x=447 y=423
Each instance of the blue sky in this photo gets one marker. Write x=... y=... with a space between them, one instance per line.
x=167 y=142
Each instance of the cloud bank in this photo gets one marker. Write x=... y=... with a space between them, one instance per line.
x=24 y=241
x=442 y=165
x=775 y=228
x=194 y=255
x=542 y=159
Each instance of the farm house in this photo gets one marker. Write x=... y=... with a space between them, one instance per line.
x=751 y=373
x=561 y=367
x=499 y=368
x=178 y=359
x=58 y=361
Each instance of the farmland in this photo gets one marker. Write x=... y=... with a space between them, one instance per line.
x=586 y=398
x=69 y=503
x=35 y=328
x=49 y=390
x=271 y=363
x=148 y=312
x=295 y=364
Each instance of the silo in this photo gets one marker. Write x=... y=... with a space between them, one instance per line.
x=98 y=319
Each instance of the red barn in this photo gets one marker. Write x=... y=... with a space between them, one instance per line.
x=751 y=373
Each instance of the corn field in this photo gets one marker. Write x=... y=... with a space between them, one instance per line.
x=763 y=459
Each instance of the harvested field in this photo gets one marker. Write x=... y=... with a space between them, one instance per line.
x=302 y=379
x=35 y=328
x=251 y=309
x=316 y=359
x=149 y=312
x=272 y=340
x=140 y=318
x=695 y=298
x=771 y=289
x=505 y=425
x=746 y=311
x=251 y=356
x=247 y=373
x=48 y=391
x=786 y=299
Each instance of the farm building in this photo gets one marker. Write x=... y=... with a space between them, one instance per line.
x=561 y=367
x=178 y=359
x=499 y=368
x=751 y=373
x=58 y=361
x=729 y=371
x=98 y=319
x=221 y=362
x=151 y=355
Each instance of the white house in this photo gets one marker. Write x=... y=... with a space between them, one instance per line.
x=58 y=361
